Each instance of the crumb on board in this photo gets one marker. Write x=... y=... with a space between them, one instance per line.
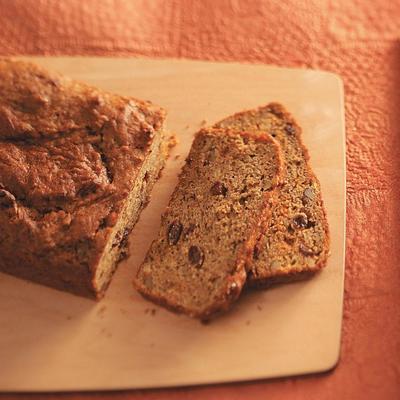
x=203 y=123
x=172 y=141
x=248 y=322
x=177 y=157
x=259 y=307
x=105 y=332
x=101 y=310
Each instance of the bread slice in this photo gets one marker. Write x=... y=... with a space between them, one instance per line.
x=76 y=167
x=295 y=244
x=208 y=232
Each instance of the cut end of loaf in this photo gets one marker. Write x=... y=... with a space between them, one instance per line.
x=116 y=248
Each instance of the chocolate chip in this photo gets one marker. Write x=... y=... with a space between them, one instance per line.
x=243 y=200
x=310 y=224
x=300 y=221
x=290 y=129
x=307 y=251
x=218 y=188
x=174 y=232
x=196 y=256
x=308 y=196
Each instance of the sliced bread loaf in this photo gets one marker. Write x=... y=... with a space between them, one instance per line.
x=295 y=244
x=208 y=232
x=77 y=166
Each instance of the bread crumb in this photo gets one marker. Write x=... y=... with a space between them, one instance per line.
x=203 y=123
x=101 y=310
x=248 y=322
x=172 y=141
x=153 y=311
x=259 y=307
x=177 y=157
x=106 y=332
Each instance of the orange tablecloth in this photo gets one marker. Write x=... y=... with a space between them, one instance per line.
x=357 y=39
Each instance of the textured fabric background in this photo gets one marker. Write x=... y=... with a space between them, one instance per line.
x=357 y=39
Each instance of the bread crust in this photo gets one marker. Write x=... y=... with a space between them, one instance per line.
x=70 y=157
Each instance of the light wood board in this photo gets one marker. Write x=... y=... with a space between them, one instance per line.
x=50 y=340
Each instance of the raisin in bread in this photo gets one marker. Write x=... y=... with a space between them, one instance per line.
x=76 y=168
x=197 y=265
x=295 y=244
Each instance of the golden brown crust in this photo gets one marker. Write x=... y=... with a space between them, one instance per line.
x=228 y=296
x=292 y=276
x=69 y=156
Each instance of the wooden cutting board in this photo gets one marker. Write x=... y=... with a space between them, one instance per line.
x=52 y=341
